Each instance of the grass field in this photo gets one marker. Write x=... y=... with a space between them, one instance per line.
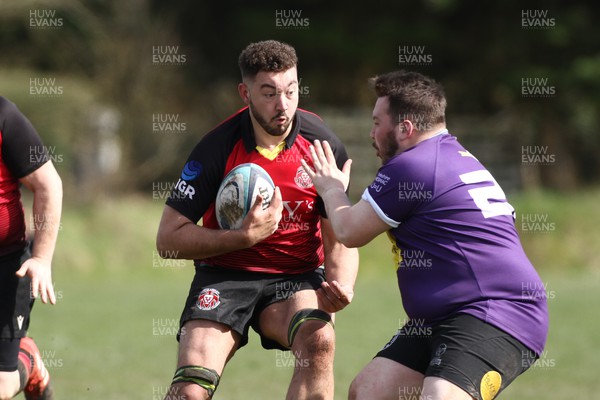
x=111 y=335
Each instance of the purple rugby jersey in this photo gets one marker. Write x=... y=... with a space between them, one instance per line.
x=456 y=245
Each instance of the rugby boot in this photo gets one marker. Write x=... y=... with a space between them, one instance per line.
x=38 y=386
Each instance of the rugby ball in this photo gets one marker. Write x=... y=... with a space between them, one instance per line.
x=238 y=192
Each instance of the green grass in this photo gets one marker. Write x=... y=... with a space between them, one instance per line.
x=568 y=240
x=111 y=335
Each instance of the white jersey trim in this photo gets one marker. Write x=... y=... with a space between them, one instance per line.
x=366 y=196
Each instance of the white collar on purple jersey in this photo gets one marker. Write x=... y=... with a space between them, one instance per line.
x=443 y=131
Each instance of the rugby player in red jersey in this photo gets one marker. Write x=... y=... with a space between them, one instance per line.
x=25 y=273
x=283 y=273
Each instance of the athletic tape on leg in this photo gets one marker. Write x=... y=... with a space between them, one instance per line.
x=308 y=314
x=204 y=377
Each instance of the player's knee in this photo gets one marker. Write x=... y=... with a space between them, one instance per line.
x=313 y=325
x=317 y=340
x=186 y=391
x=355 y=390
x=364 y=387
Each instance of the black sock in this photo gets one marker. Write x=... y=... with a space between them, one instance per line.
x=23 y=375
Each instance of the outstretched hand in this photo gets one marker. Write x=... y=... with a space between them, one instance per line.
x=326 y=175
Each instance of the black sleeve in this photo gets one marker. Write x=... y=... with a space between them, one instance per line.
x=22 y=148
x=201 y=176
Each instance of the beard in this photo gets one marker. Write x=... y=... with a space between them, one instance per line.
x=389 y=147
x=271 y=127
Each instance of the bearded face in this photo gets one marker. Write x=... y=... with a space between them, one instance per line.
x=273 y=100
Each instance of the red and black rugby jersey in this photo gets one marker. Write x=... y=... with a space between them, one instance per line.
x=21 y=153
x=297 y=245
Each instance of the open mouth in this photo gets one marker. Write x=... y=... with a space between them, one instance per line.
x=280 y=120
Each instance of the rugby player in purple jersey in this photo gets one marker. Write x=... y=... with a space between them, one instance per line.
x=476 y=307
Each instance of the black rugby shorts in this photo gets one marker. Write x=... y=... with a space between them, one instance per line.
x=15 y=307
x=472 y=354
x=236 y=298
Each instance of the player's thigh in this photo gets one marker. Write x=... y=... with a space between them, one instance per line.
x=284 y=298
x=439 y=388
x=207 y=344
x=383 y=378
x=275 y=319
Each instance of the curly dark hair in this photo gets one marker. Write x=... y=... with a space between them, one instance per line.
x=412 y=95
x=269 y=56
